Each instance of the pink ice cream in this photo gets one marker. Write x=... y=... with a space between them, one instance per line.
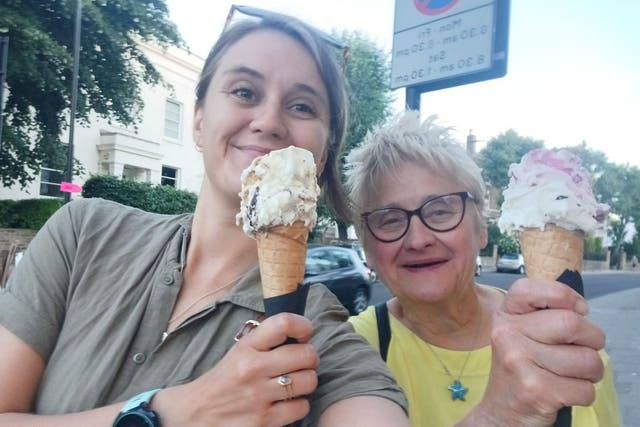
x=550 y=187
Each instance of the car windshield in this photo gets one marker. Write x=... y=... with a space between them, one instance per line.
x=510 y=256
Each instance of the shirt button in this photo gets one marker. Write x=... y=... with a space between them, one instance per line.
x=168 y=279
x=139 y=358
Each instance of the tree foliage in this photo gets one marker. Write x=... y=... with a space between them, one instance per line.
x=620 y=187
x=367 y=74
x=27 y=213
x=508 y=244
x=500 y=152
x=40 y=66
x=613 y=184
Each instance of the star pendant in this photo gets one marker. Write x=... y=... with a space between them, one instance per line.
x=457 y=390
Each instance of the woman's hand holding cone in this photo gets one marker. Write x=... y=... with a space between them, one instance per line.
x=243 y=388
x=543 y=360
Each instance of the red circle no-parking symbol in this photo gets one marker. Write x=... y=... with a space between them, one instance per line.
x=434 y=7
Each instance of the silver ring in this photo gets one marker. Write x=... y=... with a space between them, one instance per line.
x=247 y=327
x=287 y=382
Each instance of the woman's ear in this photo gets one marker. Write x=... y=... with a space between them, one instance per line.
x=198 y=118
x=484 y=237
x=322 y=161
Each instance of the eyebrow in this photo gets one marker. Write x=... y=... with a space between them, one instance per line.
x=428 y=198
x=243 y=69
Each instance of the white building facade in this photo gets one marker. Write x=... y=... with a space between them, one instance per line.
x=159 y=149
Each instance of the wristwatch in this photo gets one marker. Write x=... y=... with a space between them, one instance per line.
x=136 y=412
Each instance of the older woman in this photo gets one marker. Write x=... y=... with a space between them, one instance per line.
x=419 y=199
x=112 y=305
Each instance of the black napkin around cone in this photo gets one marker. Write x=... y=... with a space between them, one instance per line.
x=293 y=302
x=573 y=279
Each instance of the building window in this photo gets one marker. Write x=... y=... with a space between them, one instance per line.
x=169 y=176
x=172 y=119
x=50 y=182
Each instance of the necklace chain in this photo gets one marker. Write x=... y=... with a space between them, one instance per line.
x=458 y=391
x=464 y=365
x=190 y=306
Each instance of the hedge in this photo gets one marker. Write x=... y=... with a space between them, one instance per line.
x=27 y=213
x=162 y=199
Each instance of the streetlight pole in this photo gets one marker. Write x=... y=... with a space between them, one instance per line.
x=4 y=51
x=74 y=97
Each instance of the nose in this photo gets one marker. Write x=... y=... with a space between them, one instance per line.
x=418 y=235
x=269 y=121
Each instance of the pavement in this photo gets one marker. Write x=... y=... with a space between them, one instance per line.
x=618 y=314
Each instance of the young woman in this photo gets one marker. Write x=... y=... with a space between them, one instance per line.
x=111 y=303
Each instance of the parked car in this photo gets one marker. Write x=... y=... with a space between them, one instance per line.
x=511 y=263
x=343 y=272
x=478 y=265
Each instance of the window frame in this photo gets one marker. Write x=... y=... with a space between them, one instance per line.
x=50 y=184
x=164 y=177
x=168 y=120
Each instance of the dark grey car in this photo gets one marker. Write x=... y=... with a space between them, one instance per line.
x=343 y=272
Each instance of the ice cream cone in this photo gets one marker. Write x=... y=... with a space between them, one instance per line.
x=282 y=253
x=547 y=253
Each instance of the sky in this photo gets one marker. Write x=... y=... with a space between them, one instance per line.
x=573 y=68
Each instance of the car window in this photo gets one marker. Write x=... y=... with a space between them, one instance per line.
x=342 y=259
x=319 y=262
x=314 y=266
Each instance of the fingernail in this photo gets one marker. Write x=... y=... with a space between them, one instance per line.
x=581 y=307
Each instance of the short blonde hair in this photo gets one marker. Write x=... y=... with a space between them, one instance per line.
x=404 y=139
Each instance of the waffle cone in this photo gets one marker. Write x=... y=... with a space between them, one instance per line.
x=282 y=253
x=547 y=253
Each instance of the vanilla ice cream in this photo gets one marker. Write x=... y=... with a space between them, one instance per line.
x=279 y=188
x=550 y=187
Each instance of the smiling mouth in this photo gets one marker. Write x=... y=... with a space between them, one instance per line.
x=425 y=264
x=256 y=149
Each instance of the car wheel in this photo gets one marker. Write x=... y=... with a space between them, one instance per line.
x=360 y=300
x=521 y=269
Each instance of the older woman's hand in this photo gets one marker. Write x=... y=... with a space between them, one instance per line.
x=545 y=356
x=246 y=387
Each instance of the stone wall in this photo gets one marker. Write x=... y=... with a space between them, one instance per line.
x=15 y=239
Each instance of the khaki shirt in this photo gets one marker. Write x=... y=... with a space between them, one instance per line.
x=93 y=295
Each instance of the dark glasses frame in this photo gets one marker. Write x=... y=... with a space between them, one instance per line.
x=464 y=196
x=263 y=13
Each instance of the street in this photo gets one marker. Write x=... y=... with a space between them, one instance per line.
x=614 y=300
x=596 y=284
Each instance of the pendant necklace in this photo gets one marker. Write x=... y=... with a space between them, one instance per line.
x=457 y=389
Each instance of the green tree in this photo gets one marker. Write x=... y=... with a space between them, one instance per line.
x=620 y=188
x=500 y=152
x=367 y=74
x=40 y=65
x=508 y=244
x=596 y=162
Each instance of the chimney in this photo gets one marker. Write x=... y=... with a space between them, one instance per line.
x=471 y=144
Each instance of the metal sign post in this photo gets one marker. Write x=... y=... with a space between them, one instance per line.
x=4 y=51
x=74 y=97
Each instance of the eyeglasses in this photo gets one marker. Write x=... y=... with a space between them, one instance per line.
x=442 y=213
x=263 y=13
